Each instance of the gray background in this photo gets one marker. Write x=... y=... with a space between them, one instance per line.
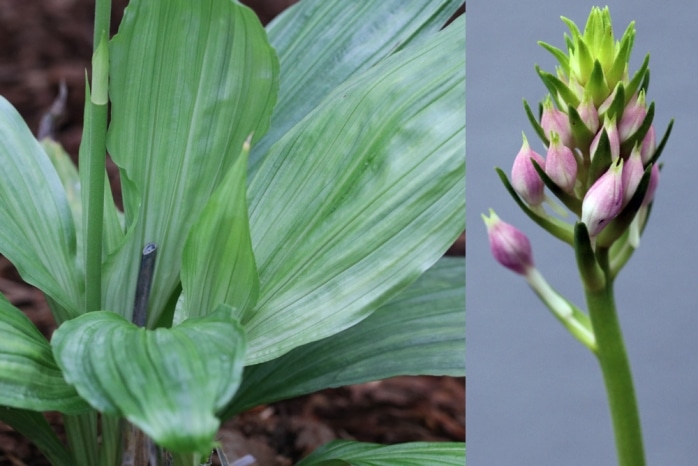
x=535 y=395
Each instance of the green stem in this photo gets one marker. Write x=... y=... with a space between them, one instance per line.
x=615 y=368
x=110 y=453
x=94 y=218
x=102 y=21
x=81 y=431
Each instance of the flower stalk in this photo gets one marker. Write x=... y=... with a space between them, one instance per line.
x=82 y=429
x=615 y=368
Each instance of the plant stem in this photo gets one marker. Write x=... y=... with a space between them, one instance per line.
x=94 y=220
x=102 y=21
x=95 y=159
x=615 y=368
x=81 y=431
x=112 y=427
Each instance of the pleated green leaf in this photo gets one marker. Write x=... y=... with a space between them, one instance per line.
x=34 y=426
x=350 y=453
x=191 y=80
x=168 y=382
x=420 y=332
x=37 y=233
x=68 y=174
x=218 y=264
x=29 y=376
x=70 y=178
x=361 y=197
x=322 y=43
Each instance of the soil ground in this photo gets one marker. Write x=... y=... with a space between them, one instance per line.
x=44 y=43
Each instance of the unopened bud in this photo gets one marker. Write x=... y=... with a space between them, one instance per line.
x=590 y=116
x=609 y=126
x=560 y=164
x=632 y=174
x=633 y=116
x=557 y=121
x=649 y=145
x=604 y=200
x=525 y=178
x=509 y=246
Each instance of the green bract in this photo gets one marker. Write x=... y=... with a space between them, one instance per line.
x=301 y=184
x=595 y=62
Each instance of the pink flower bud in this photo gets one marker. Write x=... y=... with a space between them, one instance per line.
x=652 y=188
x=560 y=164
x=610 y=126
x=590 y=116
x=633 y=116
x=524 y=177
x=649 y=145
x=509 y=246
x=633 y=170
x=554 y=120
x=604 y=200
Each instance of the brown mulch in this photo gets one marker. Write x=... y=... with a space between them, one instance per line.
x=44 y=43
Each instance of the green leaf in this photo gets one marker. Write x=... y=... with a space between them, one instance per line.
x=34 y=426
x=168 y=382
x=321 y=44
x=350 y=453
x=191 y=80
x=218 y=264
x=361 y=197
x=68 y=174
x=70 y=178
x=37 y=234
x=29 y=376
x=420 y=332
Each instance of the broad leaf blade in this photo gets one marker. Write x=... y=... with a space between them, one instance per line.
x=29 y=376
x=70 y=178
x=321 y=44
x=361 y=197
x=37 y=234
x=168 y=382
x=34 y=426
x=190 y=81
x=218 y=264
x=420 y=332
x=370 y=454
